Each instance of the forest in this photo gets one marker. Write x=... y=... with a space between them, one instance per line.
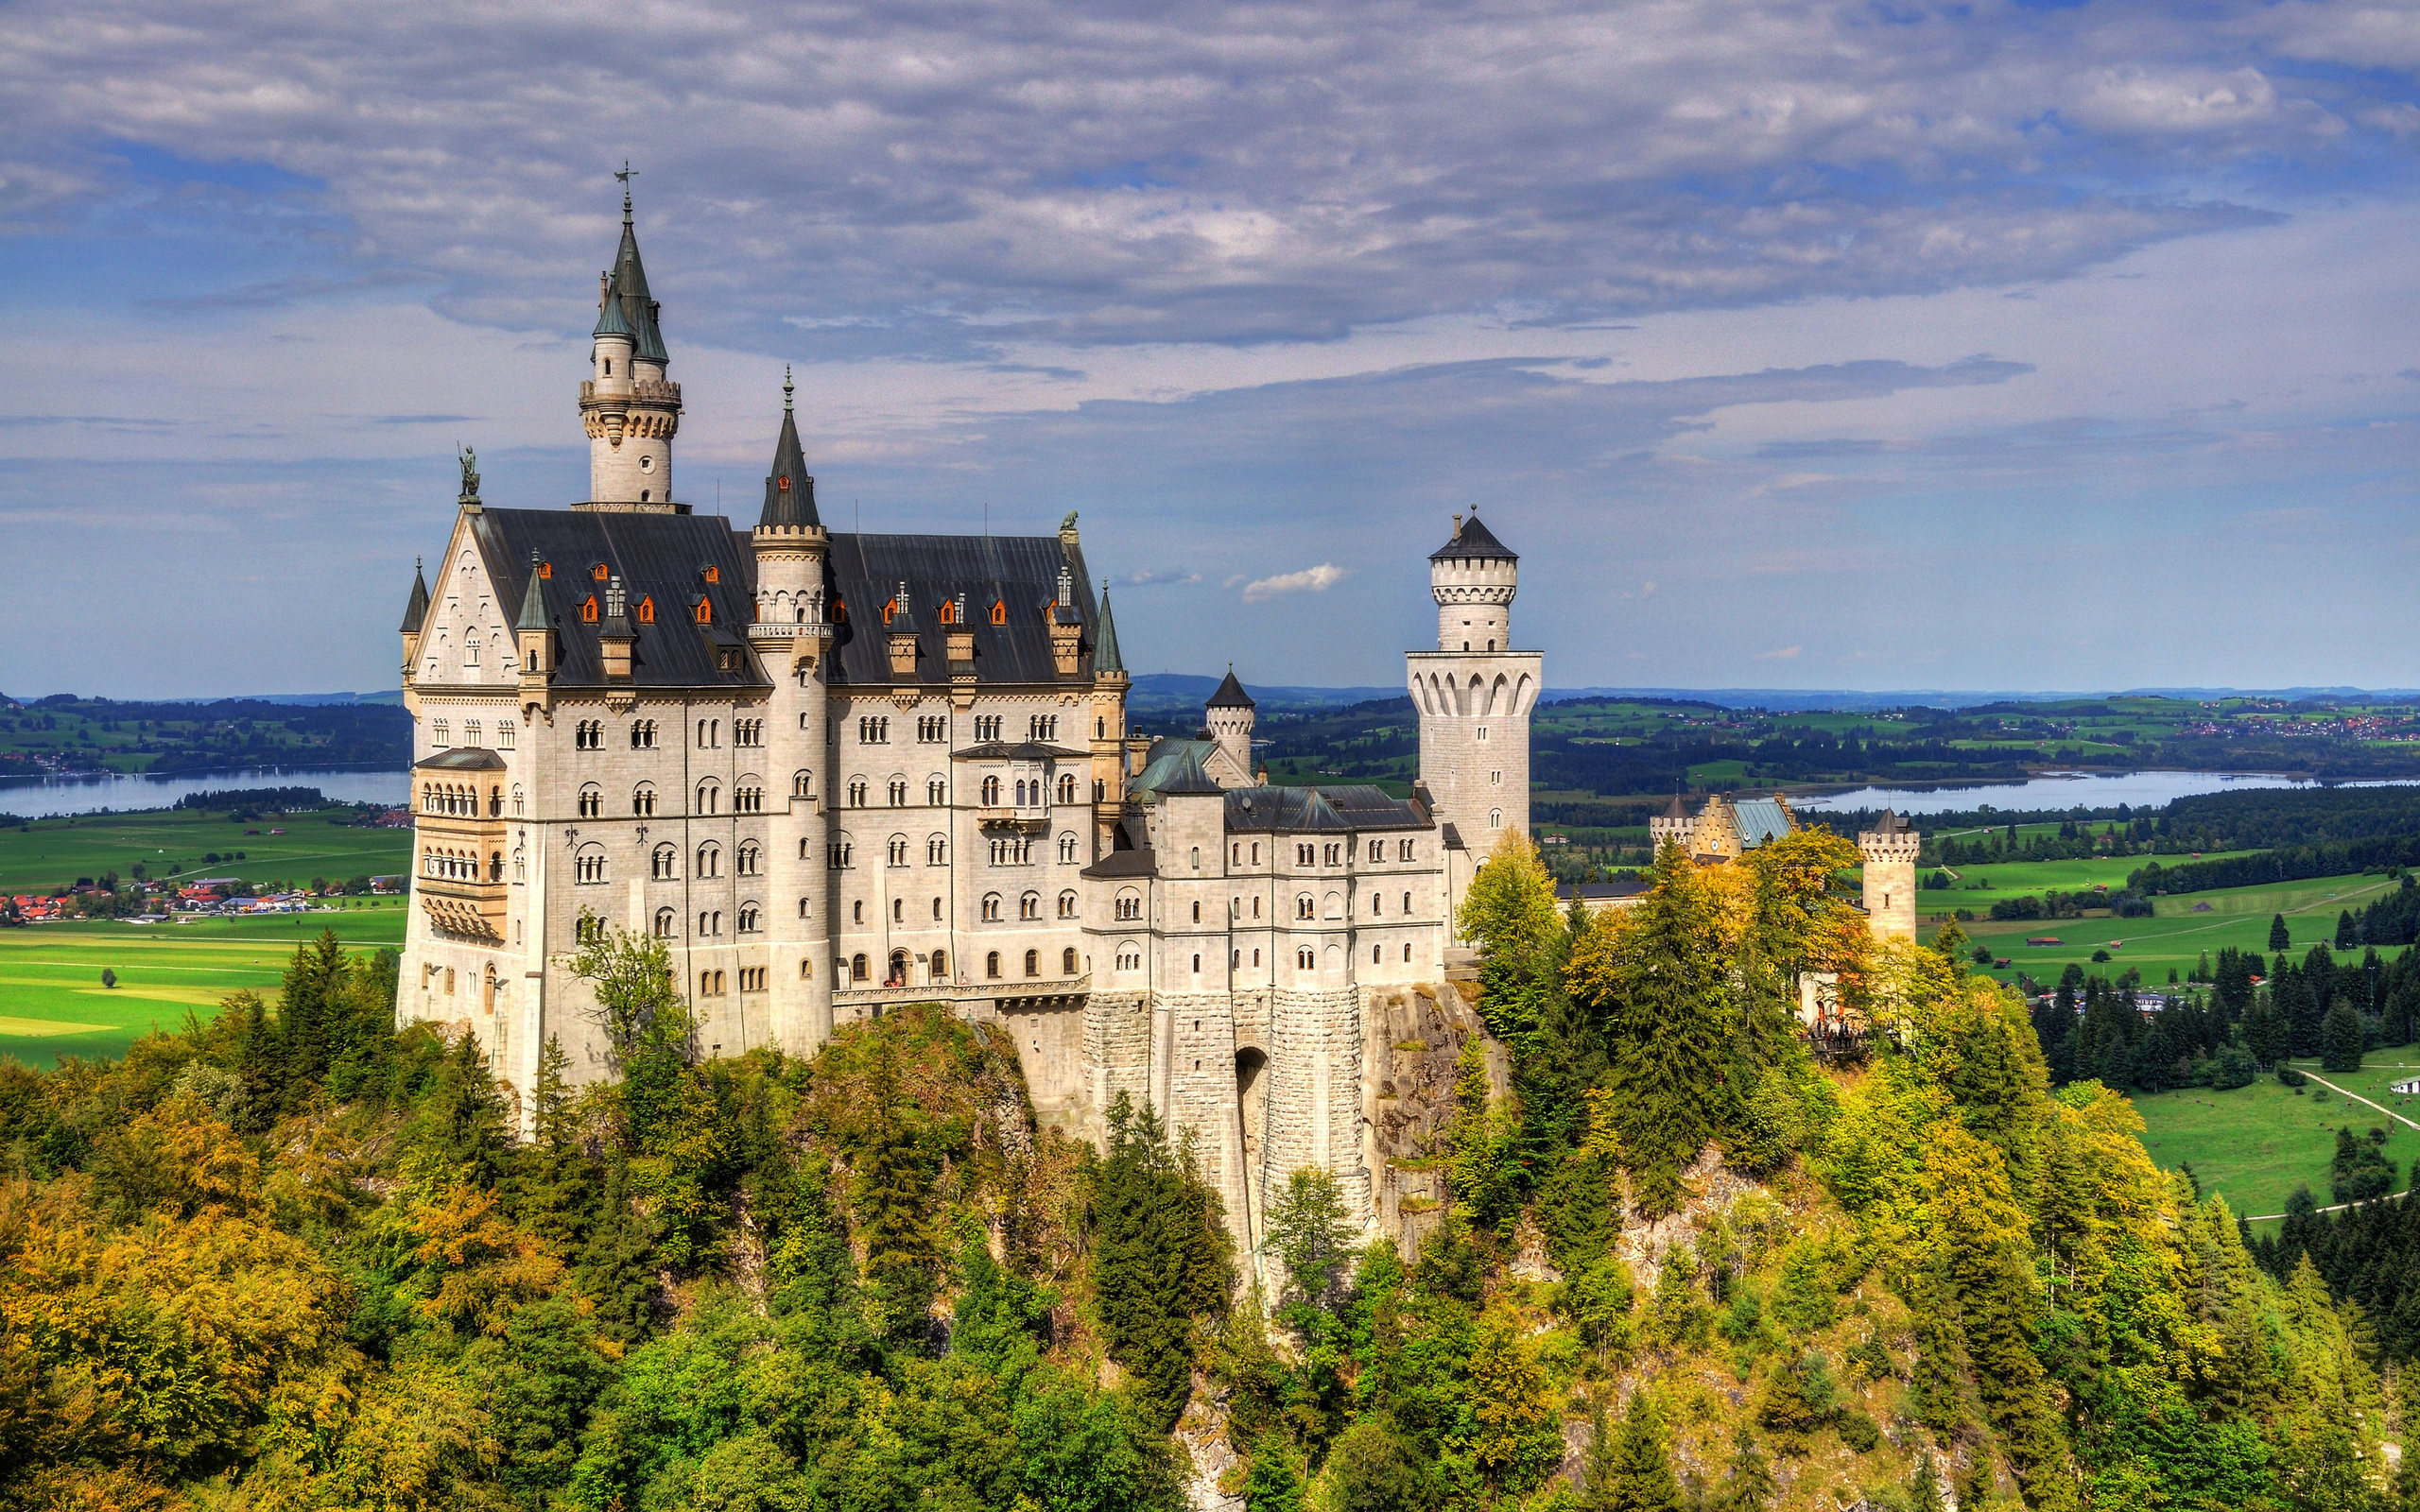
x=302 y=1259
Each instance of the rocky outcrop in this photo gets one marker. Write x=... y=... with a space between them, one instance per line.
x=1415 y=1038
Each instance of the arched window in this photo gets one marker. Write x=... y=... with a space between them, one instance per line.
x=1033 y=963
x=992 y=964
x=1197 y=965
x=1067 y=961
x=589 y=864
x=748 y=918
x=592 y=802
x=898 y=976
x=709 y=798
x=1495 y=818
x=643 y=801
x=1068 y=904
x=802 y=784
x=899 y=910
x=1130 y=906
x=941 y=966
x=664 y=924
x=936 y=791
x=898 y=850
x=899 y=792
x=749 y=858
x=858 y=966
x=990 y=907
x=1305 y=907
x=991 y=792
x=1303 y=958
x=936 y=850
x=1066 y=847
x=1029 y=906
x=1066 y=787
x=709 y=861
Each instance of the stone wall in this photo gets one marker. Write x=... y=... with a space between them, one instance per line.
x=1413 y=1040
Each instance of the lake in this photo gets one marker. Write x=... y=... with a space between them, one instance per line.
x=52 y=797
x=2057 y=790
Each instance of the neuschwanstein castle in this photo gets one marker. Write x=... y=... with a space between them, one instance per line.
x=839 y=772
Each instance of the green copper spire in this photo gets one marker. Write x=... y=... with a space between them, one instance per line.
x=417 y=608
x=533 y=601
x=1105 y=656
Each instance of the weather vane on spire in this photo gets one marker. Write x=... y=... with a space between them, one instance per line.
x=624 y=178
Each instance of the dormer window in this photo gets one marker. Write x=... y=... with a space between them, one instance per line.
x=949 y=613
x=999 y=612
x=711 y=575
x=546 y=570
x=781 y=484
x=888 y=610
x=705 y=612
x=646 y=611
x=588 y=610
x=839 y=611
x=597 y=571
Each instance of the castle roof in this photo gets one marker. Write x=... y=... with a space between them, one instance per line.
x=1230 y=694
x=462 y=759
x=1019 y=573
x=1674 y=810
x=1174 y=769
x=1105 y=656
x=1307 y=810
x=1759 y=819
x=664 y=557
x=1474 y=540
x=1893 y=823
x=416 y=607
x=627 y=297
x=789 y=489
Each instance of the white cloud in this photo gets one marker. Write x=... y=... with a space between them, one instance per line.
x=1317 y=580
x=1155 y=576
x=1788 y=653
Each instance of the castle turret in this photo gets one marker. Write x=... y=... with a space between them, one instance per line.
x=534 y=636
x=1109 y=730
x=628 y=408
x=1889 y=851
x=1672 y=824
x=1475 y=694
x=1231 y=712
x=791 y=637
x=415 y=612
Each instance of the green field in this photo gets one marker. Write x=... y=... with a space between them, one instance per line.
x=2256 y=1144
x=52 y=1002
x=2175 y=935
x=54 y=853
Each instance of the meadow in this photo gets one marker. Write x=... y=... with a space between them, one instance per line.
x=52 y=1002
x=51 y=853
x=2255 y=1144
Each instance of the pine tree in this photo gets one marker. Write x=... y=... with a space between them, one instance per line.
x=2340 y=1038
x=2279 y=939
x=1641 y=1477
x=1158 y=1259
x=1663 y=990
x=2346 y=936
x=889 y=1191
x=1750 y=1487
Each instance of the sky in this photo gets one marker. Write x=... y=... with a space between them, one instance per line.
x=1888 y=345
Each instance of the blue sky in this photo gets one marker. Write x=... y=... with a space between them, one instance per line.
x=1792 y=344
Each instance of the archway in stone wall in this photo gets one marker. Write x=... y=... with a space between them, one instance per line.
x=1251 y=1114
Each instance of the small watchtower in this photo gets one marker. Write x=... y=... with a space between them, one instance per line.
x=1889 y=851
x=1229 y=717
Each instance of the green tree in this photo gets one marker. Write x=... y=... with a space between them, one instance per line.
x=2279 y=938
x=2340 y=1038
x=888 y=1190
x=1159 y=1258
x=1511 y=899
x=648 y=1032
x=1639 y=1476
x=1310 y=1230
x=1750 y=1487
x=1372 y=1469
x=1661 y=985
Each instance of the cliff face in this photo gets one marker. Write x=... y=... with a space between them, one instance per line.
x=1415 y=1037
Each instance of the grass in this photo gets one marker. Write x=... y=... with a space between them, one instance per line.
x=52 y=1002
x=54 y=853
x=2175 y=935
x=2256 y=1144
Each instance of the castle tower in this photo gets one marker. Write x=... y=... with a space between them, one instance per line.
x=1110 y=684
x=1889 y=851
x=1672 y=824
x=628 y=408
x=791 y=637
x=1475 y=694
x=1229 y=715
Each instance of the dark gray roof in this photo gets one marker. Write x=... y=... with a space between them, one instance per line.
x=1139 y=863
x=661 y=557
x=1893 y=823
x=789 y=488
x=416 y=607
x=1475 y=541
x=1674 y=809
x=1105 y=658
x=1303 y=810
x=1023 y=751
x=863 y=572
x=1453 y=837
x=462 y=759
x=628 y=291
x=1230 y=694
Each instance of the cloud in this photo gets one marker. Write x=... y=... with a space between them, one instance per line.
x=1317 y=580
x=1788 y=653
x=1153 y=577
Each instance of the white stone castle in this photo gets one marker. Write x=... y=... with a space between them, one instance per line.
x=837 y=773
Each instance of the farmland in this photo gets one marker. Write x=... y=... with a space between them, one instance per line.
x=52 y=1001
x=67 y=733
x=51 y=853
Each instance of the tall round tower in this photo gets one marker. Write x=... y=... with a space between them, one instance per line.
x=1889 y=851
x=1475 y=694
x=628 y=408
x=1230 y=713
x=791 y=637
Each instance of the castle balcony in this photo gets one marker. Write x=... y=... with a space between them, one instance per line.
x=458 y=872
x=1024 y=821
x=473 y=910
x=1009 y=994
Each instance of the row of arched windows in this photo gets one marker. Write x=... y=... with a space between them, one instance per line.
x=459 y=799
x=442 y=864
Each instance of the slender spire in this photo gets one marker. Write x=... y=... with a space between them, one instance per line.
x=533 y=600
x=627 y=289
x=789 y=488
x=417 y=608
x=1105 y=656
